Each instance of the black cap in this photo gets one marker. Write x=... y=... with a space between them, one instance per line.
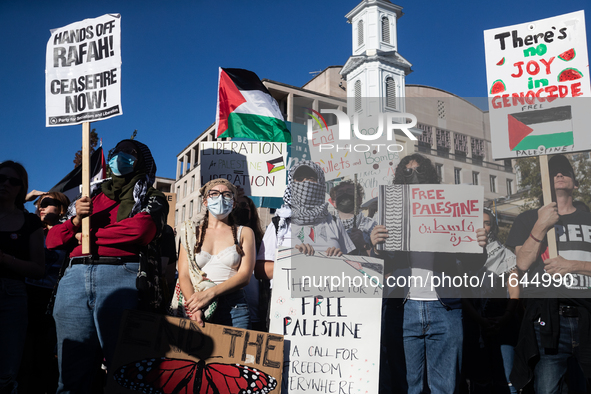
x=560 y=164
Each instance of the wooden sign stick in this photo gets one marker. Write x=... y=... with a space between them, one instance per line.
x=86 y=184
x=547 y=192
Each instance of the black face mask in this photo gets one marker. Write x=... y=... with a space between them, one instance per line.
x=346 y=204
x=241 y=216
x=415 y=178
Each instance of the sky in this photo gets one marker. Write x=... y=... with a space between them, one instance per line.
x=171 y=51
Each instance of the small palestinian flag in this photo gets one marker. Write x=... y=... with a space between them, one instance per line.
x=275 y=165
x=246 y=109
x=550 y=128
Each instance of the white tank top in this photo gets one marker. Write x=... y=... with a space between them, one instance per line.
x=222 y=266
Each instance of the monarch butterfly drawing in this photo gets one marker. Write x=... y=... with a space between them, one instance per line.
x=174 y=376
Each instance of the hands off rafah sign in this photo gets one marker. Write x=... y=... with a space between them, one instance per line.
x=538 y=83
x=83 y=71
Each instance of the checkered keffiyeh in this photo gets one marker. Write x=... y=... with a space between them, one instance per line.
x=307 y=199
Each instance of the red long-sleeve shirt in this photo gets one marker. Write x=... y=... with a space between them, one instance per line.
x=107 y=236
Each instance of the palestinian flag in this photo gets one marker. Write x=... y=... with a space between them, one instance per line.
x=550 y=128
x=246 y=109
x=71 y=183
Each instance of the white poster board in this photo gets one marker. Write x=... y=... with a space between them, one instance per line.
x=431 y=218
x=332 y=337
x=539 y=87
x=83 y=72
x=256 y=166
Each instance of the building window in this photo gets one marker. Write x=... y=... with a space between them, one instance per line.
x=358 y=95
x=360 y=33
x=457 y=176
x=443 y=142
x=477 y=147
x=185 y=189
x=176 y=217
x=493 y=183
x=191 y=209
x=183 y=214
x=385 y=29
x=192 y=183
x=441 y=109
x=199 y=204
x=475 y=176
x=425 y=139
x=439 y=168
x=391 y=93
x=509 y=187
x=178 y=192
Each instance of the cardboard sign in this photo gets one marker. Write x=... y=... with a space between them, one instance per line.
x=332 y=337
x=431 y=218
x=83 y=72
x=538 y=87
x=258 y=167
x=163 y=354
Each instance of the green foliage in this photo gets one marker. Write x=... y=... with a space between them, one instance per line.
x=93 y=142
x=531 y=180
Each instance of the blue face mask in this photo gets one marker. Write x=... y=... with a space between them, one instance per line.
x=122 y=164
x=220 y=207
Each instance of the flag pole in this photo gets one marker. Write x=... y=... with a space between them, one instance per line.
x=547 y=193
x=85 y=184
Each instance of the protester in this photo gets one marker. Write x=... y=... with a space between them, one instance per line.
x=40 y=347
x=491 y=321
x=358 y=226
x=423 y=326
x=126 y=218
x=556 y=325
x=21 y=255
x=258 y=290
x=224 y=252
x=304 y=209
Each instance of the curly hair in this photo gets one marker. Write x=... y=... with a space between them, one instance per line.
x=426 y=168
x=360 y=191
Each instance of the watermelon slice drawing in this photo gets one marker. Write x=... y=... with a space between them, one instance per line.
x=568 y=55
x=501 y=62
x=569 y=74
x=497 y=87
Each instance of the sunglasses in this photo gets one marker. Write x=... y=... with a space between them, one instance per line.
x=48 y=201
x=13 y=181
x=409 y=171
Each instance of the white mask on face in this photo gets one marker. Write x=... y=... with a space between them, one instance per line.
x=220 y=207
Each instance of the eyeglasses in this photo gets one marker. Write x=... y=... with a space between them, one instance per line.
x=216 y=194
x=47 y=201
x=13 y=181
x=409 y=171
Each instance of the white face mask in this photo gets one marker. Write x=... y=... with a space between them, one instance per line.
x=220 y=207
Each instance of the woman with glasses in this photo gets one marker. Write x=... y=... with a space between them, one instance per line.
x=126 y=218
x=223 y=251
x=21 y=255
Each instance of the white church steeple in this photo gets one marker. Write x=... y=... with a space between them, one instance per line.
x=376 y=69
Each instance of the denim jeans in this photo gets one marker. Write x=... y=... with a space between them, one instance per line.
x=508 y=353
x=419 y=335
x=13 y=329
x=550 y=371
x=232 y=310
x=88 y=309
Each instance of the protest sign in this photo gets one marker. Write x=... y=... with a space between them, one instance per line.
x=83 y=71
x=538 y=74
x=431 y=218
x=332 y=338
x=258 y=167
x=163 y=354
